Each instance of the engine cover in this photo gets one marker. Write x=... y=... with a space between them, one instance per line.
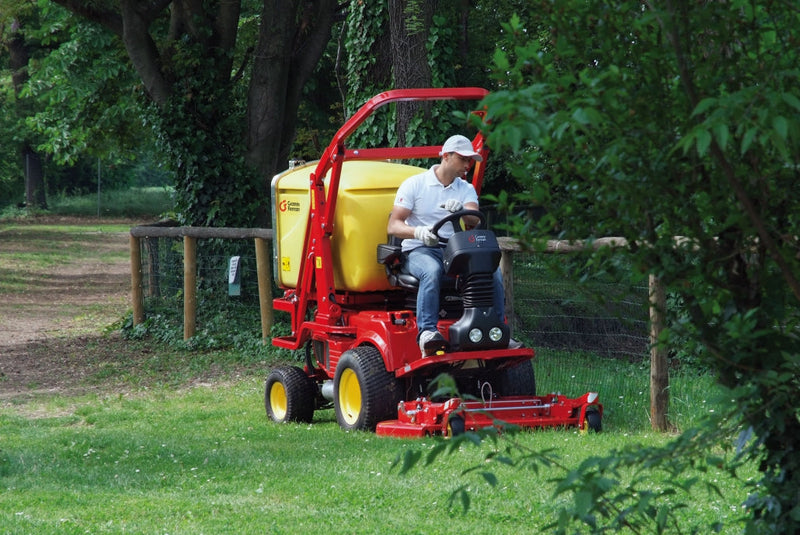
x=470 y=252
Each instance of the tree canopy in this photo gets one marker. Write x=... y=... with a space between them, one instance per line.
x=221 y=97
x=676 y=126
x=222 y=94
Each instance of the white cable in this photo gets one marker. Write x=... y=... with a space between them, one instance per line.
x=491 y=393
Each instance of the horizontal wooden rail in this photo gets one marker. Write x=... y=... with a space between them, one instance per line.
x=228 y=233
x=564 y=246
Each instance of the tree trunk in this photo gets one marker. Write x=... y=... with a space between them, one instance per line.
x=288 y=49
x=34 y=178
x=31 y=160
x=409 y=24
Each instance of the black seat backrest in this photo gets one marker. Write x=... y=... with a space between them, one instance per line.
x=390 y=254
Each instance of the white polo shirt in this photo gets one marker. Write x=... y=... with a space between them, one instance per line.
x=424 y=195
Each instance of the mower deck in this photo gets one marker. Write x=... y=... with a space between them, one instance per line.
x=424 y=417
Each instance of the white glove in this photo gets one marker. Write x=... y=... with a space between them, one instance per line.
x=453 y=205
x=424 y=234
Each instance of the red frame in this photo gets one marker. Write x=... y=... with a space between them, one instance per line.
x=315 y=279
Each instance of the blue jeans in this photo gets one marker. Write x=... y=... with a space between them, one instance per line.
x=425 y=263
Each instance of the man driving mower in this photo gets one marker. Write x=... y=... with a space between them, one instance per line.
x=421 y=201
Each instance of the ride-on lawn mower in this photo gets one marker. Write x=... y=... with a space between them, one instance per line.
x=352 y=307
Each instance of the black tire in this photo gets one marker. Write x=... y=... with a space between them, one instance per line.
x=289 y=395
x=518 y=381
x=593 y=421
x=455 y=426
x=364 y=392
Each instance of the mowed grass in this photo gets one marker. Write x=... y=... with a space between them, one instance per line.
x=206 y=460
x=55 y=270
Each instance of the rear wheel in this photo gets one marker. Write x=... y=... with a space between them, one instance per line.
x=365 y=393
x=518 y=381
x=289 y=395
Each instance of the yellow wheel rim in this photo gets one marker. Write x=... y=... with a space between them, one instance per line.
x=349 y=396
x=277 y=400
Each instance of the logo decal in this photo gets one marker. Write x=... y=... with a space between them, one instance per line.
x=289 y=206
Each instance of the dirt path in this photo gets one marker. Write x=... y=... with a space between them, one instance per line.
x=55 y=318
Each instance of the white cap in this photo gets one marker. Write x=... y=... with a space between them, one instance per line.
x=461 y=145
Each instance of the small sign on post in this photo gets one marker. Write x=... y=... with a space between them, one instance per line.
x=234 y=277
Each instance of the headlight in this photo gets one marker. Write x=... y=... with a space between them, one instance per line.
x=495 y=334
x=475 y=335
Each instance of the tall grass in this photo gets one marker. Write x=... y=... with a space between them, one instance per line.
x=206 y=460
x=132 y=202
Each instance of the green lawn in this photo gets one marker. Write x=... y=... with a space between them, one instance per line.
x=205 y=460
x=131 y=202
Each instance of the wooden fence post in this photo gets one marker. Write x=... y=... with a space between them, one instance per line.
x=136 y=281
x=189 y=286
x=507 y=268
x=264 y=287
x=659 y=365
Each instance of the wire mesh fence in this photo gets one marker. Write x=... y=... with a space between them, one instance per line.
x=221 y=306
x=588 y=336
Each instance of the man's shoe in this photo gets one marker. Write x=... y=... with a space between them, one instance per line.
x=515 y=344
x=431 y=342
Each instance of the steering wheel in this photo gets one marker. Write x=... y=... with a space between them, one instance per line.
x=455 y=216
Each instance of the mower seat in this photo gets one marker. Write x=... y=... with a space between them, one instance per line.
x=390 y=254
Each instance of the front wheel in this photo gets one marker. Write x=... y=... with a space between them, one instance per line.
x=289 y=395
x=365 y=393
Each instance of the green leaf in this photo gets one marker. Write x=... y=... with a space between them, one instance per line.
x=703 y=142
x=721 y=134
x=748 y=138
x=583 y=502
x=462 y=495
x=410 y=459
x=501 y=60
x=490 y=478
x=704 y=106
x=584 y=115
x=781 y=126
x=791 y=100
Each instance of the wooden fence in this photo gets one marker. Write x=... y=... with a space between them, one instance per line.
x=190 y=236
x=659 y=370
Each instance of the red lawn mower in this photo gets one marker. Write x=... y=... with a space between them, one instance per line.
x=352 y=307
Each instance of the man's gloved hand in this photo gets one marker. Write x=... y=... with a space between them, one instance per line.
x=453 y=205
x=424 y=234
